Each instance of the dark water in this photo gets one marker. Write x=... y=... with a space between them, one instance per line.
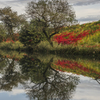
x=48 y=77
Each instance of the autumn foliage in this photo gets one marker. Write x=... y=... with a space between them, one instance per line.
x=69 y=38
x=77 y=68
x=76 y=33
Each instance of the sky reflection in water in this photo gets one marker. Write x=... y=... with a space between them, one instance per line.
x=87 y=89
x=48 y=81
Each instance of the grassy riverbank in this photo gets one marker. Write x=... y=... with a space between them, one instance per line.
x=45 y=47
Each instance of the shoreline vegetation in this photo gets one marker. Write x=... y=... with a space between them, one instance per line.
x=82 y=40
x=44 y=47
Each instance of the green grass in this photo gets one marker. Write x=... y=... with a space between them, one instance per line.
x=44 y=47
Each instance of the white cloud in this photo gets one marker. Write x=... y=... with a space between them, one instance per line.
x=87 y=13
x=88 y=89
x=83 y=8
x=16 y=92
x=83 y=2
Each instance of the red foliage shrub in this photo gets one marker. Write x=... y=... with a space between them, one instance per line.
x=69 y=38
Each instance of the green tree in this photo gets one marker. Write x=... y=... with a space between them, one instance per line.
x=11 y=19
x=2 y=32
x=28 y=35
x=53 y=14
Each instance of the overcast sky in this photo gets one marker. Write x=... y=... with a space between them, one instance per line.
x=85 y=10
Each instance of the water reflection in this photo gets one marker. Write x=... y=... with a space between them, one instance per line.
x=78 y=68
x=39 y=79
x=11 y=76
x=49 y=84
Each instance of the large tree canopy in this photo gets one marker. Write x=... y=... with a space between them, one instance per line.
x=54 y=14
x=10 y=19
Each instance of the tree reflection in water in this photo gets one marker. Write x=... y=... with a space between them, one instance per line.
x=49 y=84
x=11 y=76
x=39 y=79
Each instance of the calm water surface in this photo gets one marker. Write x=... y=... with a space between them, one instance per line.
x=48 y=77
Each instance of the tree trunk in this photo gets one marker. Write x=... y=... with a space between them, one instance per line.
x=48 y=39
x=10 y=31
